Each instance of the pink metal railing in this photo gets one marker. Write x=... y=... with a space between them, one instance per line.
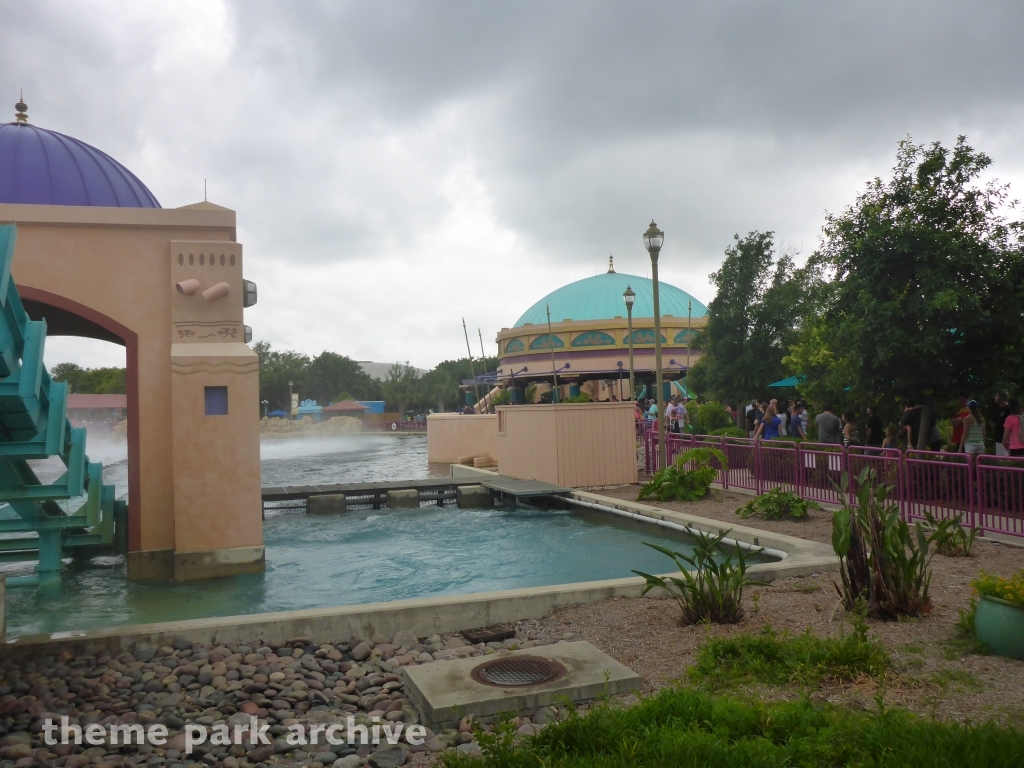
x=939 y=483
x=1000 y=494
x=821 y=468
x=988 y=491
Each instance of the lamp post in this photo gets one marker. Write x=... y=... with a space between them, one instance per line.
x=264 y=403
x=551 y=347
x=629 y=296
x=689 y=334
x=653 y=239
x=291 y=400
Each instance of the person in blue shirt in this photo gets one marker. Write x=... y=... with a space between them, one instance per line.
x=769 y=425
x=796 y=424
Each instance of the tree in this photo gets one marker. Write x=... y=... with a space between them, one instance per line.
x=330 y=374
x=401 y=386
x=439 y=387
x=751 y=323
x=446 y=377
x=91 y=381
x=921 y=288
x=276 y=370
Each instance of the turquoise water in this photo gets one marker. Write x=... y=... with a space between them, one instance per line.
x=360 y=557
x=363 y=556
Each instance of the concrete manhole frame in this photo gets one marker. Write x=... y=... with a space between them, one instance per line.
x=542 y=669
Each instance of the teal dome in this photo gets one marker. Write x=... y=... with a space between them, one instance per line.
x=600 y=298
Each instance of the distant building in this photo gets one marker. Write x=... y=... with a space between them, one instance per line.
x=309 y=408
x=589 y=337
x=83 y=408
x=345 y=408
x=379 y=371
x=373 y=406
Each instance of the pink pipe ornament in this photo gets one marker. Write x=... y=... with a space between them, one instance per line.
x=188 y=287
x=218 y=291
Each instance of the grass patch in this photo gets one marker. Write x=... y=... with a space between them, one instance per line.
x=956 y=678
x=774 y=659
x=681 y=727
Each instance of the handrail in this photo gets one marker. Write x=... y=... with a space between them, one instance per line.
x=988 y=491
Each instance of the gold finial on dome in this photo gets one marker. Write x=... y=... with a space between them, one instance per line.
x=611 y=263
x=22 y=109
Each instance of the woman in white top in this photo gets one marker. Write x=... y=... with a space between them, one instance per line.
x=973 y=438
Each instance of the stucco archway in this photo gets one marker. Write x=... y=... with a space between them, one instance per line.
x=195 y=507
x=65 y=317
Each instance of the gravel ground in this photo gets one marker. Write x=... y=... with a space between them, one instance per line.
x=937 y=671
x=285 y=683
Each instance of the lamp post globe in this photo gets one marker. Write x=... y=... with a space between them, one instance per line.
x=654 y=238
x=629 y=296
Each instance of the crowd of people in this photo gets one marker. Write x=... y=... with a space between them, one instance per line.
x=676 y=415
x=774 y=419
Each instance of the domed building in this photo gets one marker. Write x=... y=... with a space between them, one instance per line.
x=94 y=254
x=589 y=336
x=43 y=167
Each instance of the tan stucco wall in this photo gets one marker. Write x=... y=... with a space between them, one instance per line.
x=573 y=444
x=451 y=435
x=117 y=262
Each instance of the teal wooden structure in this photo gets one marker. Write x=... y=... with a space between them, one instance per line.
x=34 y=425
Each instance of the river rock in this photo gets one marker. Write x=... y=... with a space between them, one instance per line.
x=362 y=651
x=388 y=757
x=405 y=638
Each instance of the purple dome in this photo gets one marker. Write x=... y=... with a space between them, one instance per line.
x=41 y=167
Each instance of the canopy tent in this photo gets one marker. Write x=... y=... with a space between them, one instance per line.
x=791 y=382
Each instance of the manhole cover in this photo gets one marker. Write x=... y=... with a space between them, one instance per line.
x=518 y=671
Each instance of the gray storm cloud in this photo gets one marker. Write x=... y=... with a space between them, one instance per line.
x=383 y=149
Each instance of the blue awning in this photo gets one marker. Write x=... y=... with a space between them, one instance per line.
x=792 y=381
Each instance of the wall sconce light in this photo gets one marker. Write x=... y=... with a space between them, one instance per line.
x=248 y=293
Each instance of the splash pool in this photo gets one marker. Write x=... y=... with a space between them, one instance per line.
x=363 y=556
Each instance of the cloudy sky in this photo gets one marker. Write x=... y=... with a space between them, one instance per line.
x=399 y=165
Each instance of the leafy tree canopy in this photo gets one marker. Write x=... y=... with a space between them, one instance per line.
x=918 y=286
x=90 y=381
x=752 y=321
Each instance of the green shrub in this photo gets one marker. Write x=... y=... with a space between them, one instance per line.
x=777 y=504
x=502 y=398
x=689 y=478
x=1010 y=589
x=582 y=397
x=881 y=560
x=686 y=728
x=965 y=622
x=952 y=540
x=774 y=659
x=728 y=432
x=708 y=417
x=713 y=590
